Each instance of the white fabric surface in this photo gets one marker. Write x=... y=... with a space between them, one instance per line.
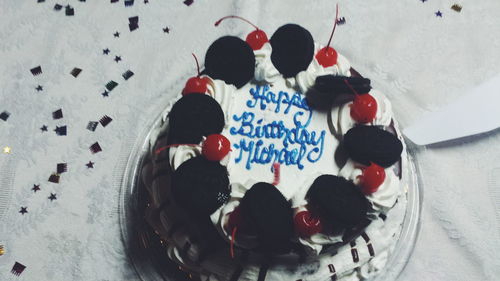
x=418 y=60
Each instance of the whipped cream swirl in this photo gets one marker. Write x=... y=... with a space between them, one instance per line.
x=224 y=94
x=385 y=197
x=180 y=154
x=342 y=120
x=264 y=67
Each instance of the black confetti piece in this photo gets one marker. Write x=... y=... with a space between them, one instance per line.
x=57 y=114
x=129 y=3
x=439 y=14
x=457 y=8
x=54 y=178
x=17 y=269
x=41 y=1
x=105 y=120
x=116 y=34
x=133 y=26
x=118 y=58
x=44 y=128
x=114 y=1
x=105 y=94
x=188 y=2
x=92 y=125
x=111 y=85
x=39 y=88
x=52 y=197
x=23 y=210
x=75 y=72
x=166 y=29
x=134 y=20
x=62 y=168
x=57 y=7
x=70 y=11
x=95 y=148
x=61 y=131
x=4 y=115
x=127 y=74
x=105 y=51
x=36 y=187
x=82 y=0
x=341 y=21
x=90 y=165
x=36 y=70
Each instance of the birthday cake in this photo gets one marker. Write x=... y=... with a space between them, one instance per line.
x=277 y=162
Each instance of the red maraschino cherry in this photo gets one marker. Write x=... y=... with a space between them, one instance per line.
x=306 y=224
x=327 y=56
x=364 y=107
x=256 y=39
x=196 y=84
x=215 y=147
x=372 y=178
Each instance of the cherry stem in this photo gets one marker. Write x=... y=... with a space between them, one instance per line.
x=197 y=64
x=173 y=145
x=350 y=87
x=233 y=236
x=334 y=26
x=235 y=17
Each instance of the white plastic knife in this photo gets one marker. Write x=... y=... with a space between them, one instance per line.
x=477 y=111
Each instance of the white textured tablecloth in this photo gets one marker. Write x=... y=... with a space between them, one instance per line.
x=421 y=61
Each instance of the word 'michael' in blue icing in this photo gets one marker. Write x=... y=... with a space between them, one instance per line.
x=298 y=143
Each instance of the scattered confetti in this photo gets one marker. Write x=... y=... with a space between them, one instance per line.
x=57 y=114
x=127 y=74
x=133 y=23
x=17 y=269
x=166 y=29
x=341 y=21
x=439 y=14
x=105 y=94
x=118 y=58
x=95 y=148
x=54 y=178
x=423 y=1
x=41 y=1
x=70 y=11
x=43 y=128
x=36 y=70
x=105 y=120
x=7 y=150
x=116 y=34
x=36 y=187
x=5 y=115
x=39 y=88
x=57 y=7
x=75 y=72
x=188 y=2
x=129 y=3
x=92 y=125
x=90 y=165
x=114 y=1
x=23 y=210
x=60 y=131
x=146 y=1
x=62 y=168
x=52 y=197
x=111 y=85
x=105 y=51
x=457 y=8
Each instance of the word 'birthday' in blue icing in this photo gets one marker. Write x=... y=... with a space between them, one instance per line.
x=298 y=144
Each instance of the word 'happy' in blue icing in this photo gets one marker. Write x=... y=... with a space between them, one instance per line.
x=298 y=144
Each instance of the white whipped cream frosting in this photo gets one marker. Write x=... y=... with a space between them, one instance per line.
x=386 y=195
x=224 y=94
x=180 y=154
x=264 y=67
x=342 y=120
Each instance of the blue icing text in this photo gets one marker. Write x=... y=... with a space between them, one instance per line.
x=297 y=143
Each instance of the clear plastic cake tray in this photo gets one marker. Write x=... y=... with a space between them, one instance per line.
x=149 y=258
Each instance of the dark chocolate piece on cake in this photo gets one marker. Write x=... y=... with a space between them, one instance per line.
x=270 y=215
x=338 y=201
x=366 y=144
x=198 y=185
x=330 y=89
x=293 y=49
x=194 y=116
x=230 y=59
